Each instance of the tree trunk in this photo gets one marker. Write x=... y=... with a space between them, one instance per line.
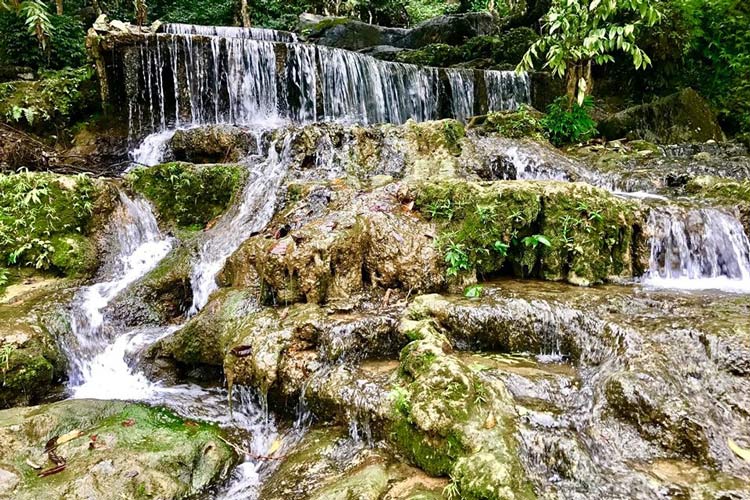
x=97 y=7
x=574 y=74
x=59 y=4
x=245 y=14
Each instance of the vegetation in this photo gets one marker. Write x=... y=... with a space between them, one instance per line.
x=567 y=123
x=44 y=221
x=579 y=33
x=186 y=195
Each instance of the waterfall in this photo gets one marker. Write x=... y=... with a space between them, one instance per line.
x=251 y=215
x=179 y=79
x=95 y=358
x=698 y=248
x=265 y=34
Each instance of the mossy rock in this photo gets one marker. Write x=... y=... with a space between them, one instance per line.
x=437 y=54
x=213 y=144
x=186 y=195
x=32 y=322
x=678 y=118
x=544 y=229
x=124 y=449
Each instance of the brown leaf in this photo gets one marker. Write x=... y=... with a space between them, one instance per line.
x=70 y=436
x=128 y=423
x=280 y=248
x=190 y=423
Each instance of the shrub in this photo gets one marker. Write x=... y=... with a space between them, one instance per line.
x=568 y=122
x=19 y=48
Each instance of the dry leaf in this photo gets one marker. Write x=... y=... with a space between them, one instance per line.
x=743 y=453
x=490 y=422
x=128 y=423
x=274 y=447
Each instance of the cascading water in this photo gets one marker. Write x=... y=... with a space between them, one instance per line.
x=698 y=249
x=265 y=34
x=176 y=80
x=251 y=215
x=98 y=366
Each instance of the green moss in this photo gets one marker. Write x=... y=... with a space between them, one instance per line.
x=513 y=124
x=721 y=190
x=186 y=195
x=327 y=23
x=435 y=455
x=589 y=231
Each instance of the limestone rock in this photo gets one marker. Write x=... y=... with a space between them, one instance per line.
x=678 y=118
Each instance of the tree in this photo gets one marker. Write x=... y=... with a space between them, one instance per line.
x=36 y=17
x=141 y=12
x=579 y=33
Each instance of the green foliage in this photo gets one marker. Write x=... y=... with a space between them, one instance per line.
x=421 y=10
x=435 y=54
x=187 y=195
x=65 y=46
x=474 y=292
x=208 y=12
x=568 y=122
x=43 y=221
x=55 y=100
x=577 y=33
x=456 y=258
x=535 y=240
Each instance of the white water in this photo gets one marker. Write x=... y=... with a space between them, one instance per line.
x=187 y=79
x=153 y=149
x=698 y=249
x=140 y=246
x=251 y=215
x=264 y=34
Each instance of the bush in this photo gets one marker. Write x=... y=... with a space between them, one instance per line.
x=208 y=12
x=568 y=123
x=19 y=48
x=435 y=54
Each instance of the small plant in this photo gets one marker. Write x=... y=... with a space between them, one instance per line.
x=480 y=393
x=5 y=353
x=4 y=276
x=501 y=248
x=568 y=122
x=474 y=292
x=536 y=240
x=401 y=401
x=451 y=491
x=457 y=259
x=440 y=209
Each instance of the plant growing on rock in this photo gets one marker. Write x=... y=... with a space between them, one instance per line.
x=567 y=123
x=580 y=33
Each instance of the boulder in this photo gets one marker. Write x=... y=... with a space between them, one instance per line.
x=681 y=117
x=213 y=144
x=111 y=450
x=32 y=321
x=453 y=29
x=350 y=34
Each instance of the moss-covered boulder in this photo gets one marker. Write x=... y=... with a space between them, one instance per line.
x=452 y=29
x=351 y=34
x=186 y=195
x=550 y=230
x=213 y=144
x=727 y=193
x=33 y=318
x=49 y=221
x=678 y=118
x=109 y=450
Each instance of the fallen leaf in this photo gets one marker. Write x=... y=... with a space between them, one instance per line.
x=190 y=423
x=242 y=351
x=280 y=248
x=128 y=423
x=131 y=473
x=70 y=436
x=490 y=422
x=743 y=453
x=274 y=447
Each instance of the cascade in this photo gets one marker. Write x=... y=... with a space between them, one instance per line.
x=139 y=247
x=179 y=79
x=698 y=248
x=250 y=215
x=265 y=34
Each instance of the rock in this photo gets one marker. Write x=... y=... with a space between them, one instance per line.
x=678 y=118
x=453 y=29
x=383 y=52
x=213 y=144
x=350 y=34
x=8 y=482
x=158 y=454
x=187 y=195
x=32 y=323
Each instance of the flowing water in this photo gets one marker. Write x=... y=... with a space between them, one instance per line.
x=179 y=78
x=698 y=249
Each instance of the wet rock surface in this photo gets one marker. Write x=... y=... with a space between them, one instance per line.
x=33 y=322
x=106 y=450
